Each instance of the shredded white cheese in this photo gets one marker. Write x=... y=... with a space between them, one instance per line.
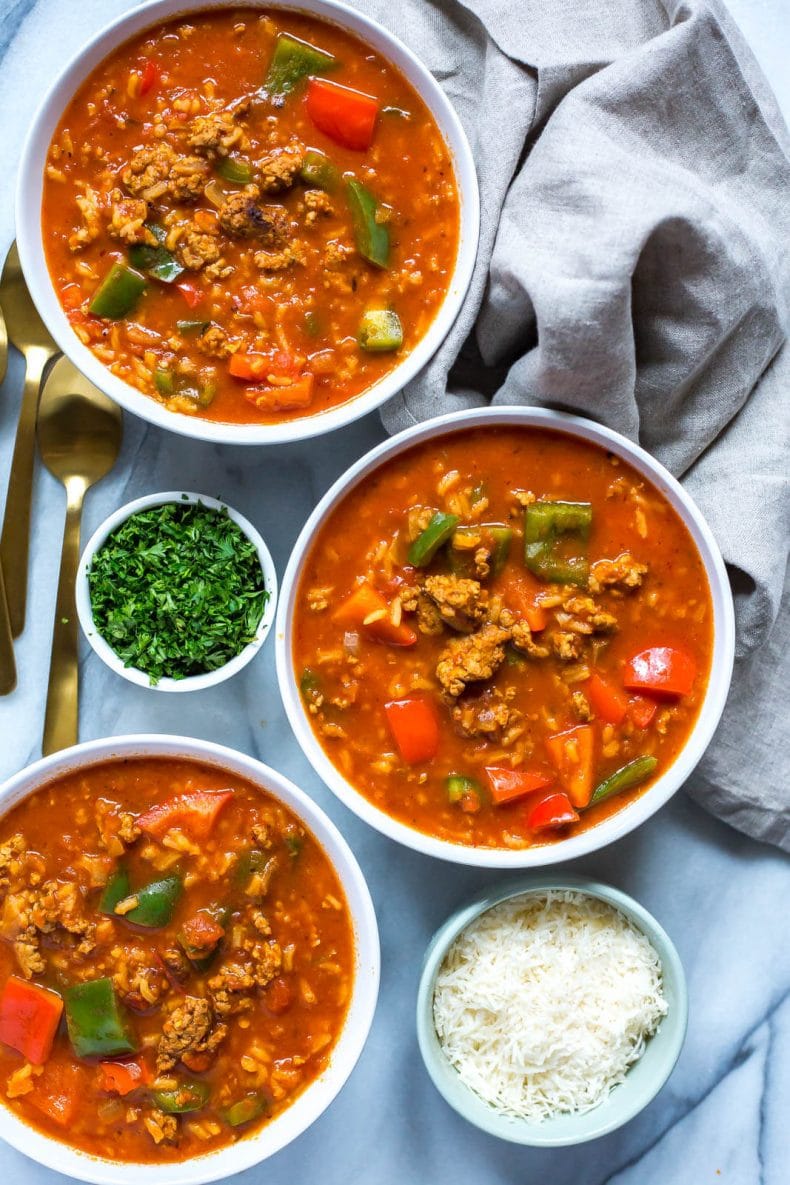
x=544 y=1002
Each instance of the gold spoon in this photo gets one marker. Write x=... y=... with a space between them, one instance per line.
x=79 y=438
x=28 y=333
x=7 y=663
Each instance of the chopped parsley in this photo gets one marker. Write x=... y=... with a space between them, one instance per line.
x=177 y=590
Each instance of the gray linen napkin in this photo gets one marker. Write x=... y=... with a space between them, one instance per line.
x=635 y=267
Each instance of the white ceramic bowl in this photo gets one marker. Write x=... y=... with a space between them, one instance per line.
x=316 y=1098
x=664 y=787
x=106 y=652
x=31 y=247
x=643 y=1081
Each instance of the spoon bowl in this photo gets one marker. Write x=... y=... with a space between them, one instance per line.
x=79 y=438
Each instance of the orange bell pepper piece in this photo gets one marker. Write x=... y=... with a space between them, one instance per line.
x=572 y=752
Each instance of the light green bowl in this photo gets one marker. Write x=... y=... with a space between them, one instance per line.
x=644 y=1079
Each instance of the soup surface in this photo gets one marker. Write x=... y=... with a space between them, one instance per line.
x=502 y=636
x=249 y=215
x=176 y=959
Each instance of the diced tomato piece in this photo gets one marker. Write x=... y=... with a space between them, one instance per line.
x=572 y=752
x=509 y=784
x=58 y=1092
x=661 y=671
x=642 y=710
x=414 y=725
x=278 y=996
x=347 y=116
x=29 y=1019
x=202 y=932
x=123 y=1077
x=195 y=813
x=521 y=594
x=554 y=811
x=607 y=700
x=367 y=609
x=191 y=293
x=150 y=77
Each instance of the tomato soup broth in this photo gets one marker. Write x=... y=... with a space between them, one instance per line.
x=503 y=636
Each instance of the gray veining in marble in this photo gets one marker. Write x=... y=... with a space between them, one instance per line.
x=723 y=1117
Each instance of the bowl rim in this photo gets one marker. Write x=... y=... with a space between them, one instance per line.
x=33 y=260
x=315 y=1098
x=636 y=812
x=469 y=1105
x=106 y=653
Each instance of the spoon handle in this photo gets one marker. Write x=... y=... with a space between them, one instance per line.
x=62 y=714
x=15 y=539
x=7 y=662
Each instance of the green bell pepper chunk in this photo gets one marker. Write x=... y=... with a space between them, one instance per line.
x=319 y=171
x=311 y=687
x=294 y=844
x=496 y=536
x=118 y=293
x=169 y=384
x=380 y=330
x=192 y=328
x=426 y=545
x=165 y=382
x=625 y=778
x=235 y=169
x=189 y=1095
x=293 y=61
x=157 y=261
x=312 y=323
x=96 y=1021
x=372 y=237
x=245 y=1110
x=459 y=787
x=545 y=524
x=156 y=902
x=249 y=862
x=115 y=890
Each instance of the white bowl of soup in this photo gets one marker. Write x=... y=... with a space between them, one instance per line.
x=505 y=637
x=247 y=224
x=162 y=1009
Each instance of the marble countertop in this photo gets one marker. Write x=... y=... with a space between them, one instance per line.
x=722 y=1118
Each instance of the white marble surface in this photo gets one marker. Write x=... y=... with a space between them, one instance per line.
x=723 y=1115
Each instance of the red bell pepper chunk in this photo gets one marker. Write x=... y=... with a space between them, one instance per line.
x=285 y=397
x=29 y=1019
x=642 y=710
x=58 y=1092
x=347 y=116
x=366 y=609
x=521 y=594
x=607 y=701
x=151 y=75
x=661 y=671
x=195 y=813
x=415 y=727
x=572 y=752
x=123 y=1077
x=551 y=812
x=509 y=784
x=190 y=292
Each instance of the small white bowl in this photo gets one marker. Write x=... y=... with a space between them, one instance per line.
x=31 y=244
x=644 y=1079
x=314 y=1100
x=664 y=787
x=103 y=648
